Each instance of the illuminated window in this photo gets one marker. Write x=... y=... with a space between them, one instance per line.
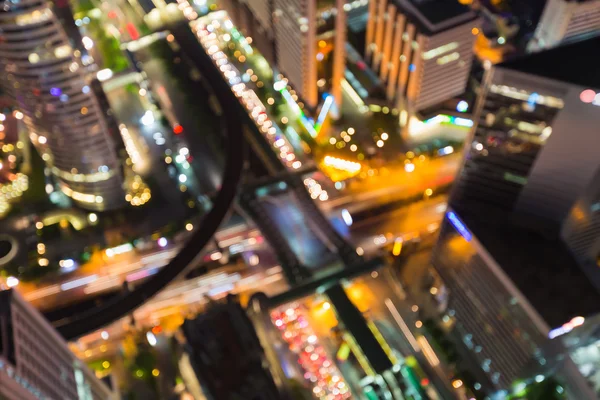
x=440 y=50
x=449 y=58
x=523 y=95
x=63 y=51
x=33 y=17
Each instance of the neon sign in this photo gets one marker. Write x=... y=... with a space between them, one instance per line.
x=459 y=226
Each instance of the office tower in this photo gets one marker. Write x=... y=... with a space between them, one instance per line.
x=45 y=75
x=286 y=32
x=35 y=362
x=509 y=274
x=295 y=27
x=226 y=354
x=566 y=20
x=254 y=19
x=573 y=356
x=533 y=147
x=505 y=288
x=421 y=49
x=581 y=229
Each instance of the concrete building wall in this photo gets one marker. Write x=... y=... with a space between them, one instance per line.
x=568 y=163
x=492 y=318
x=564 y=20
x=420 y=67
x=295 y=28
x=38 y=360
x=445 y=75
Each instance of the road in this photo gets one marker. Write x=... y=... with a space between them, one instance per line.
x=389 y=309
x=172 y=96
x=182 y=298
x=386 y=302
x=392 y=184
x=108 y=274
x=407 y=222
x=129 y=107
x=357 y=195
x=105 y=274
x=386 y=309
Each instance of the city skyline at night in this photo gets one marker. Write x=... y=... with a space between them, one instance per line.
x=290 y=199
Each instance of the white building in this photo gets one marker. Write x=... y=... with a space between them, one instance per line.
x=35 y=362
x=566 y=20
x=45 y=74
x=295 y=28
x=422 y=50
x=286 y=33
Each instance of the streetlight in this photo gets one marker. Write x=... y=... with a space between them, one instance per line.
x=151 y=339
x=147 y=118
x=11 y=281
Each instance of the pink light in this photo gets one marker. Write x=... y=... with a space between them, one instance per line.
x=133 y=32
x=162 y=242
x=587 y=96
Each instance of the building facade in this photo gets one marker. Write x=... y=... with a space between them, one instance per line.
x=574 y=359
x=45 y=74
x=533 y=147
x=35 y=362
x=506 y=291
x=286 y=33
x=581 y=230
x=565 y=20
x=521 y=211
x=485 y=324
x=295 y=28
x=422 y=50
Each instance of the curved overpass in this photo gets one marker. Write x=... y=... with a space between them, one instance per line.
x=233 y=117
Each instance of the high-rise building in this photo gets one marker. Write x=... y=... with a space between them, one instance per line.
x=581 y=230
x=505 y=289
x=566 y=20
x=44 y=73
x=421 y=49
x=573 y=360
x=226 y=354
x=533 y=145
x=295 y=28
x=286 y=32
x=35 y=362
x=506 y=253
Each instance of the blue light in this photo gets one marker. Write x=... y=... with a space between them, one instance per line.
x=459 y=226
x=532 y=100
x=412 y=67
x=55 y=91
x=462 y=106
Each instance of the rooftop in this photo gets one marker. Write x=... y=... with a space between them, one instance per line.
x=575 y=63
x=434 y=16
x=540 y=265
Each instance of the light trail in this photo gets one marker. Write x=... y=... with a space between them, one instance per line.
x=398 y=318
